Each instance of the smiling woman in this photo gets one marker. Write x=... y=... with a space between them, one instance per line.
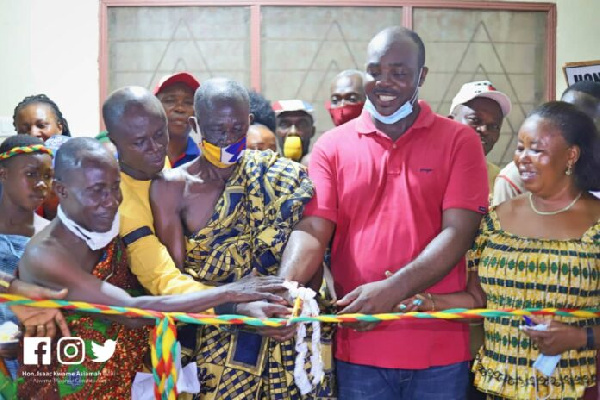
x=552 y=237
x=540 y=250
x=40 y=117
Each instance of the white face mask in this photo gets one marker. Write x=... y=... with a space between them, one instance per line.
x=94 y=240
x=404 y=111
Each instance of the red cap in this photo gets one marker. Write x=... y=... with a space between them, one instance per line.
x=181 y=77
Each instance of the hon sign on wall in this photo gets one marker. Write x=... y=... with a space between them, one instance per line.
x=582 y=71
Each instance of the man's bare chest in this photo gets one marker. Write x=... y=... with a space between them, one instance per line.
x=199 y=202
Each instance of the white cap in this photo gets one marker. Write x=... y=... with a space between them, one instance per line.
x=282 y=106
x=472 y=90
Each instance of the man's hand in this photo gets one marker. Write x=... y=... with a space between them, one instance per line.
x=253 y=287
x=39 y=321
x=370 y=298
x=558 y=338
x=263 y=309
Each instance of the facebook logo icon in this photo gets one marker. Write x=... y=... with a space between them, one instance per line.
x=36 y=351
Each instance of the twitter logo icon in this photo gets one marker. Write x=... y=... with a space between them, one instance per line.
x=103 y=352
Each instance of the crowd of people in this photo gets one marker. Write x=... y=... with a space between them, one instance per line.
x=205 y=197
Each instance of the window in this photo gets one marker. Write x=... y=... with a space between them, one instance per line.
x=294 y=50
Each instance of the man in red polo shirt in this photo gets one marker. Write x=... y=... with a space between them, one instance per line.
x=401 y=191
x=176 y=94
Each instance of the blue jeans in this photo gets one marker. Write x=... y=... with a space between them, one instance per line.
x=362 y=382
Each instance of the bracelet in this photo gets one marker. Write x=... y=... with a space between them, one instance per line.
x=432 y=302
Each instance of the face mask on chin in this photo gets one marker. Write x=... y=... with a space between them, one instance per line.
x=94 y=240
x=345 y=113
x=404 y=111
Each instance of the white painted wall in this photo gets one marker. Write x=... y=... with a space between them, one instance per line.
x=51 y=46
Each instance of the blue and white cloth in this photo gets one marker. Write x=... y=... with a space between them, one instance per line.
x=11 y=250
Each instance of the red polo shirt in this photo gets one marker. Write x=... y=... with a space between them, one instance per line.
x=387 y=200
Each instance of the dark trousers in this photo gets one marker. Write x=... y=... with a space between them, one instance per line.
x=361 y=382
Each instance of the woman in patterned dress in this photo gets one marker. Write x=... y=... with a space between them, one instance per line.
x=541 y=249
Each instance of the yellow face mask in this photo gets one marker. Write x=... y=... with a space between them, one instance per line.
x=223 y=157
x=292 y=148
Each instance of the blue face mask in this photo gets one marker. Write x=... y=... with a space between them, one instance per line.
x=404 y=111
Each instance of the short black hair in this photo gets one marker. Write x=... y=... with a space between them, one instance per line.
x=578 y=129
x=42 y=98
x=588 y=87
x=124 y=99
x=394 y=33
x=72 y=154
x=261 y=108
x=14 y=141
x=420 y=45
x=218 y=89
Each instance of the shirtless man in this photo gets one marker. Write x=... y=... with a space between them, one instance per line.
x=222 y=216
x=80 y=251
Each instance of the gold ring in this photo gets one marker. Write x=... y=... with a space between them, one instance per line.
x=41 y=327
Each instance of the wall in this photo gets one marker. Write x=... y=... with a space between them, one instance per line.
x=577 y=28
x=52 y=47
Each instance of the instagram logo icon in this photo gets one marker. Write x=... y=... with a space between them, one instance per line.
x=70 y=350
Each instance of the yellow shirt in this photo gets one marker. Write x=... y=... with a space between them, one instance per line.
x=492 y=171
x=148 y=258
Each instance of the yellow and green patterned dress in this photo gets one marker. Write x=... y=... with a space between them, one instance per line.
x=253 y=218
x=517 y=272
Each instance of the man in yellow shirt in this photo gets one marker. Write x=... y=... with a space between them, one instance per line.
x=137 y=125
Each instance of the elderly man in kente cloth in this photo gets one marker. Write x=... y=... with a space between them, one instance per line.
x=223 y=216
x=80 y=250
